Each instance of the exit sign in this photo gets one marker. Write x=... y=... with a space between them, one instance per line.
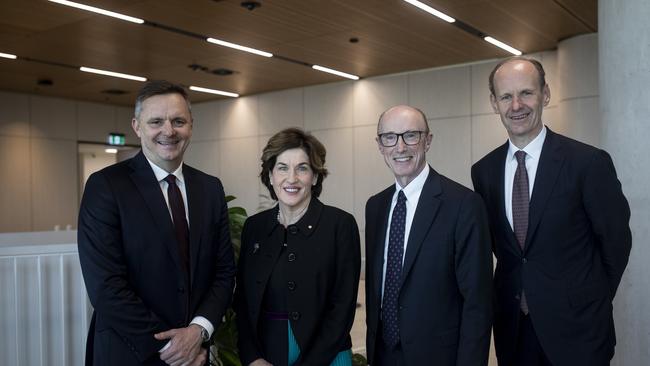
x=116 y=139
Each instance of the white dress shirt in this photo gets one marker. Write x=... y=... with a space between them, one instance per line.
x=533 y=152
x=161 y=174
x=412 y=192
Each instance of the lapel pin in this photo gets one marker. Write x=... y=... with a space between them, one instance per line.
x=256 y=247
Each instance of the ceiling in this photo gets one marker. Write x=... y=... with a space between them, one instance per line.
x=393 y=36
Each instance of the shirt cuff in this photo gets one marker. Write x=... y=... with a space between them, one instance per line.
x=203 y=322
x=165 y=347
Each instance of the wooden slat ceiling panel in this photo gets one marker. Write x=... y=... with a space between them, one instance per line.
x=393 y=37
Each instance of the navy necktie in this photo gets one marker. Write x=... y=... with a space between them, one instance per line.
x=389 y=308
x=180 y=221
x=520 y=207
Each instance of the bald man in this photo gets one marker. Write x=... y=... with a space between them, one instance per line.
x=428 y=258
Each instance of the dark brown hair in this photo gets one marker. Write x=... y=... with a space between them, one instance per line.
x=158 y=87
x=292 y=138
x=538 y=66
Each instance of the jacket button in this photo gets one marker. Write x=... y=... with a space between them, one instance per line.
x=295 y=315
x=291 y=285
x=524 y=260
x=291 y=257
x=293 y=229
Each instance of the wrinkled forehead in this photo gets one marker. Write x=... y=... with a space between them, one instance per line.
x=165 y=105
x=516 y=74
x=401 y=120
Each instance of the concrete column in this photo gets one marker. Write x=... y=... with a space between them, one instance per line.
x=624 y=75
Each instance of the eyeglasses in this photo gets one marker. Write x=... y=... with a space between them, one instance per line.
x=389 y=139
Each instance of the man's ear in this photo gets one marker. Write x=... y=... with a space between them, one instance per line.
x=493 y=103
x=547 y=94
x=136 y=126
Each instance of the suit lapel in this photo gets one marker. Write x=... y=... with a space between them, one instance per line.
x=550 y=163
x=194 y=189
x=149 y=189
x=381 y=225
x=425 y=213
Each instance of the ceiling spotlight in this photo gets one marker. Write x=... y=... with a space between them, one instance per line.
x=112 y=73
x=99 y=11
x=431 y=10
x=110 y=150
x=239 y=47
x=335 y=72
x=8 y=55
x=214 y=91
x=502 y=45
x=250 y=5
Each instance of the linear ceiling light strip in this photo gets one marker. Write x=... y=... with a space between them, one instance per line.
x=239 y=47
x=112 y=73
x=502 y=45
x=99 y=11
x=8 y=55
x=214 y=91
x=431 y=10
x=335 y=72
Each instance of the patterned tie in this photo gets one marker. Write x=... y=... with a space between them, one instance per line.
x=389 y=306
x=180 y=222
x=520 y=206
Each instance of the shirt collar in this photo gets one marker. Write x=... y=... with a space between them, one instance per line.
x=533 y=149
x=415 y=186
x=161 y=174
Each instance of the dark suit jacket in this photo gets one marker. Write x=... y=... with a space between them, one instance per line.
x=576 y=249
x=325 y=276
x=131 y=266
x=445 y=300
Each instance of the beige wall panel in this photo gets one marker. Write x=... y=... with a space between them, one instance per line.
x=480 y=89
x=95 y=121
x=582 y=119
x=206 y=121
x=204 y=155
x=53 y=118
x=371 y=175
x=549 y=61
x=578 y=65
x=280 y=110
x=239 y=168
x=329 y=105
x=487 y=134
x=239 y=117
x=15 y=197
x=55 y=184
x=14 y=114
x=123 y=117
x=338 y=187
x=374 y=96
x=551 y=118
x=441 y=93
x=450 y=152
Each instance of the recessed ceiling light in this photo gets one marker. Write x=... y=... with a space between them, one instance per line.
x=112 y=73
x=239 y=47
x=8 y=55
x=111 y=150
x=431 y=11
x=214 y=91
x=99 y=11
x=335 y=72
x=502 y=45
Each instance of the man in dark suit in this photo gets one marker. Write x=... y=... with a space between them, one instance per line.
x=154 y=245
x=428 y=260
x=560 y=227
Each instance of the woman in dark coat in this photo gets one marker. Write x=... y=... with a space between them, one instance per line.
x=299 y=264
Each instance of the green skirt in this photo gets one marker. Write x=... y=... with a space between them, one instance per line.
x=344 y=358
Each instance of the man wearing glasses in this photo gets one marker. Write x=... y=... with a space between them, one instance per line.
x=428 y=257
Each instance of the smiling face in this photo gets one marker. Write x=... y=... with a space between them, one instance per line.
x=292 y=178
x=519 y=100
x=164 y=127
x=405 y=161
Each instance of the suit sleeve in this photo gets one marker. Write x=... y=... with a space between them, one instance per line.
x=216 y=301
x=247 y=340
x=609 y=213
x=336 y=322
x=103 y=265
x=473 y=261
